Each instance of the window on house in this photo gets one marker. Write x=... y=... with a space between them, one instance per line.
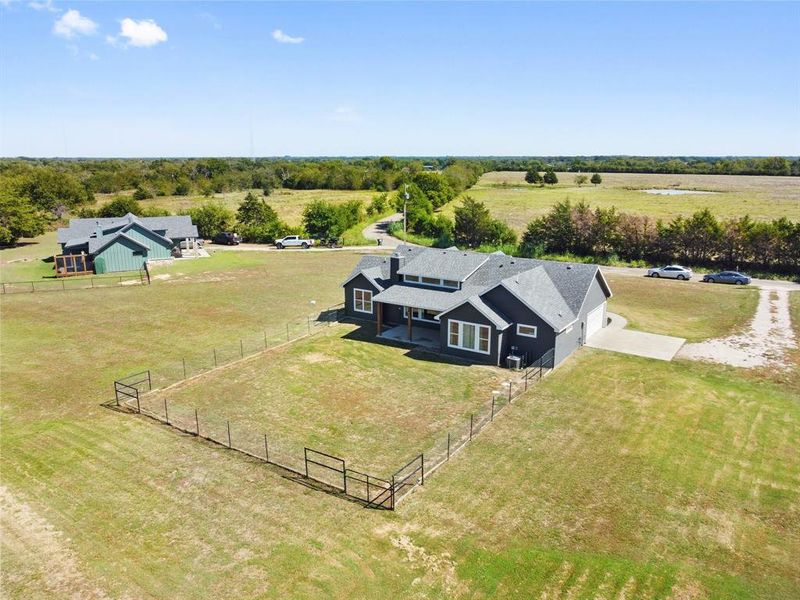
x=526 y=330
x=412 y=278
x=421 y=314
x=431 y=280
x=468 y=336
x=362 y=301
x=449 y=283
x=138 y=252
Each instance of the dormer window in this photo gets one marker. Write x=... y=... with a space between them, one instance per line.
x=435 y=281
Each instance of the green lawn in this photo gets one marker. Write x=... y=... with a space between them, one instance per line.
x=376 y=405
x=512 y=200
x=616 y=476
x=689 y=310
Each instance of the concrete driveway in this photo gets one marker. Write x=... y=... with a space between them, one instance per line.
x=616 y=338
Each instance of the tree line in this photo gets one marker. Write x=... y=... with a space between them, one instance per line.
x=697 y=240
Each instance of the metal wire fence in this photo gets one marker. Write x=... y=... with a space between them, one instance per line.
x=65 y=284
x=195 y=363
x=133 y=392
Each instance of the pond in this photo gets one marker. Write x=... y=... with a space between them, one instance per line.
x=674 y=192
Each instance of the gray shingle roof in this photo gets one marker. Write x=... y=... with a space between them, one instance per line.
x=175 y=227
x=554 y=290
x=97 y=244
x=450 y=263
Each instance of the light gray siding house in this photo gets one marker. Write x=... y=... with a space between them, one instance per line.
x=482 y=307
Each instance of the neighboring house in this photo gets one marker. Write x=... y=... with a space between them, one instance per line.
x=483 y=307
x=124 y=243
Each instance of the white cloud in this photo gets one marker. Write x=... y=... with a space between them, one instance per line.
x=142 y=34
x=46 y=5
x=93 y=56
x=73 y=23
x=210 y=19
x=281 y=37
x=346 y=114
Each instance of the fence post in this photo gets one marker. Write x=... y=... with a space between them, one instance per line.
x=215 y=358
x=470 y=427
x=525 y=376
x=149 y=381
x=287 y=332
x=166 y=410
x=492 y=417
x=241 y=347
x=184 y=367
x=4 y=288
x=422 y=462
x=448 y=445
x=230 y=445
x=266 y=448
x=392 y=490
x=138 y=406
x=344 y=476
x=33 y=289
x=305 y=459
x=63 y=286
x=509 y=391
x=367 y=488
x=197 y=422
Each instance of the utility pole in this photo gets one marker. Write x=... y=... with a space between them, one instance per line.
x=405 y=207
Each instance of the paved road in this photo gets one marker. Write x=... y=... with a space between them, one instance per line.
x=764 y=284
x=377 y=231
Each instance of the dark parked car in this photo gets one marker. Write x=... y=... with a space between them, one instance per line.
x=727 y=277
x=227 y=238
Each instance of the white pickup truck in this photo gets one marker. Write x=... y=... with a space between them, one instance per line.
x=293 y=241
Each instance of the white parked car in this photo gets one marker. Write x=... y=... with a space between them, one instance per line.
x=671 y=272
x=294 y=241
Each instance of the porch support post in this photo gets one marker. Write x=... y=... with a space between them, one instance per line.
x=379 y=309
x=410 y=312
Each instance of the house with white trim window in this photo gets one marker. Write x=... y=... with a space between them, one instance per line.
x=482 y=307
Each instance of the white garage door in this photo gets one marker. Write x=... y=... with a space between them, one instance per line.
x=594 y=320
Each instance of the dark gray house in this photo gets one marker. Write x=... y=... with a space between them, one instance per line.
x=483 y=307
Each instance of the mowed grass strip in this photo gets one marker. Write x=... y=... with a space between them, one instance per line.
x=515 y=202
x=690 y=310
x=622 y=476
x=341 y=392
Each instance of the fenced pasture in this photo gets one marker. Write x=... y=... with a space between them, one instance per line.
x=319 y=404
x=66 y=284
x=515 y=202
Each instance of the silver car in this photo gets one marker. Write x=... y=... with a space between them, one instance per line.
x=671 y=272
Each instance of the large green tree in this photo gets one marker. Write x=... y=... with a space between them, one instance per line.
x=18 y=218
x=211 y=218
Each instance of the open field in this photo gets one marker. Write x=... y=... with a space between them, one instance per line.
x=692 y=311
x=288 y=204
x=614 y=477
x=512 y=200
x=375 y=404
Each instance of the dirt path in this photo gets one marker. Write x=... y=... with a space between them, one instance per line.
x=763 y=344
x=42 y=556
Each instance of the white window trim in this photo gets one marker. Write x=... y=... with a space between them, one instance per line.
x=477 y=336
x=413 y=318
x=530 y=335
x=355 y=302
x=418 y=279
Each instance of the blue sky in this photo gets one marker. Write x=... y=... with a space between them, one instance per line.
x=191 y=79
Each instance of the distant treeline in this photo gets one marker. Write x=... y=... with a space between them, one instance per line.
x=700 y=165
x=167 y=177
